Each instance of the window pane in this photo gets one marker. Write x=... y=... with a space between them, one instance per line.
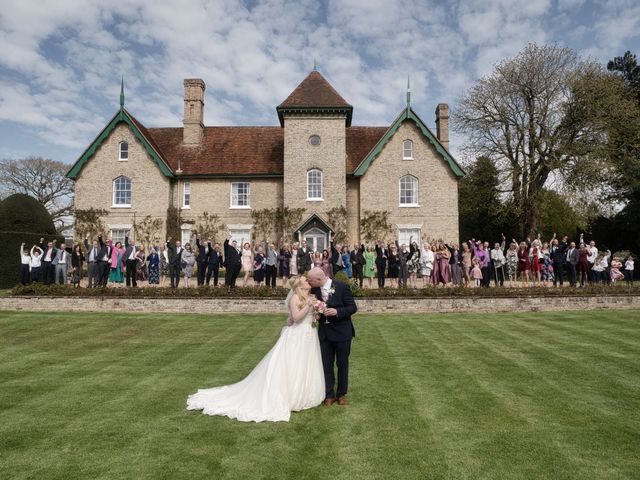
x=118 y=235
x=122 y=191
x=407 y=149
x=408 y=190
x=240 y=194
x=186 y=201
x=405 y=235
x=314 y=184
x=124 y=150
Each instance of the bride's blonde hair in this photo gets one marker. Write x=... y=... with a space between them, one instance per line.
x=303 y=296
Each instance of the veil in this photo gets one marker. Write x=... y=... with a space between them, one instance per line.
x=286 y=304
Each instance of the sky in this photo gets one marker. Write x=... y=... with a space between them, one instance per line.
x=61 y=61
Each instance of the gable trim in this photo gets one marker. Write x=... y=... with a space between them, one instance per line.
x=408 y=114
x=122 y=116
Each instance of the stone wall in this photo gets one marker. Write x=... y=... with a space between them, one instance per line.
x=437 y=214
x=391 y=306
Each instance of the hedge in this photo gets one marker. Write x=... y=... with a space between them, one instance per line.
x=10 y=253
x=40 y=290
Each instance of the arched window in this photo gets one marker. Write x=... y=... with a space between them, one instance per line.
x=122 y=192
x=123 y=149
x=314 y=184
x=407 y=150
x=409 y=191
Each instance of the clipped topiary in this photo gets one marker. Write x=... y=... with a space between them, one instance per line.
x=22 y=213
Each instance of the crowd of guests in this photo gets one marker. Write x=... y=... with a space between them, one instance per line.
x=435 y=263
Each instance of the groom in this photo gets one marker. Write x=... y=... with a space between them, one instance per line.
x=335 y=331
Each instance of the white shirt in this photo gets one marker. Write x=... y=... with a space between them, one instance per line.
x=132 y=256
x=591 y=258
x=326 y=288
x=628 y=265
x=36 y=261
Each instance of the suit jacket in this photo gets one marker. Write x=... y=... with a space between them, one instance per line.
x=57 y=260
x=573 y=256
x=304 y=261
x=380 y=252
x=340 y=328
x=203 y=253
x=44 y=248
x=128 y=248
x=105 y=249
x=175 y=255
x=214 y=258
x=231 y=255
x=88 y=247
x=558 y=252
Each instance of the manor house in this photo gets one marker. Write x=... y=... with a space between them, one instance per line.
x=315 y=160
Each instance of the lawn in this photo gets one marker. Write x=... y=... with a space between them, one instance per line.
x=495 y=396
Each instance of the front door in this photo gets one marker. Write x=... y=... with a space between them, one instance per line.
x=316 y=239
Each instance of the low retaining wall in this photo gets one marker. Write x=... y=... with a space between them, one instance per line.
x=370 y=305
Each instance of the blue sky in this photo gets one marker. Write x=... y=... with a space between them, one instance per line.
x=61 y=60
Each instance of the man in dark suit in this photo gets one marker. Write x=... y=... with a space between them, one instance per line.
x=214 y=260
x=93 y=252
x=49 y=252
x=382 y=254
x=175 y=262
x=357 y=263
x=202 y=260
x=104 y=257
x=572 y=261
x=557 y=252
x=304 y=260
x=231 y=262
x=335 y=331
x=131 y=261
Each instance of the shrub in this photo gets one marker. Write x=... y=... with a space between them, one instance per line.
x=341 y=276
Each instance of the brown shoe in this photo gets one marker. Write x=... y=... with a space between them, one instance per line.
x=328 y=401
x=342 y=401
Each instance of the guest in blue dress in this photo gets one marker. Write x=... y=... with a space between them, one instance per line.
x=154 y=267
x=346 y=261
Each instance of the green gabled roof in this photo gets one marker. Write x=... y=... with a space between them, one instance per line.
x=408 y=114
x=136 y=128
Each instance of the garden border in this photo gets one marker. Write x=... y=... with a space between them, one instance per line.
x=365 y=305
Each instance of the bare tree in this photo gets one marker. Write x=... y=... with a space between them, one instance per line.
x=43 y=179
x=519 y=116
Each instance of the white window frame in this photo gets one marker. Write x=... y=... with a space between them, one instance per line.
x=406 y=232
x=121 y=205
x=120 y=157
x=186 y=195
x=321 y=197
x=417 y=192
x=185 y=233
x=231 y=196
x=118 y=234
x=239 y=233
x=410 y=149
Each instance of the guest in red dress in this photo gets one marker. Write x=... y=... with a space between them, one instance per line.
x=524 y=265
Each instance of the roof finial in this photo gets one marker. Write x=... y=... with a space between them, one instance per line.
x=122 y=93
x=408 y=91
x=315 y=65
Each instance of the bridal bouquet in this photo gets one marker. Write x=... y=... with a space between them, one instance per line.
x=319 y=308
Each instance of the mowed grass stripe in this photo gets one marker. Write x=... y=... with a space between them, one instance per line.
x=575 y=396
x=481 y=399
x=432 y=396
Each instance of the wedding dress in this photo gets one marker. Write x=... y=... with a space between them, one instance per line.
x=289 y=378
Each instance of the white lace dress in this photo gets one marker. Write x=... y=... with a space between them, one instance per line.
x=289 y=378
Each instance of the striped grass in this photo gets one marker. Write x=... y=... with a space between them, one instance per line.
x=456 y=396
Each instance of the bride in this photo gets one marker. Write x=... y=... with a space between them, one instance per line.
x=289 y=378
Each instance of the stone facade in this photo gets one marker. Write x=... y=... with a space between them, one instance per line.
x=151 y=190
x=275 y=163
x=437 y=213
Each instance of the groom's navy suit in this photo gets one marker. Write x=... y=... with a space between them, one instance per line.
x=335 y=337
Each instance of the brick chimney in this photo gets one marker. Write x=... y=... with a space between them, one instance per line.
x=442 y=124
x=193 y=111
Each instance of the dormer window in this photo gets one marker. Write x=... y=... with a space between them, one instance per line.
x=407 y=150
x=123 y=151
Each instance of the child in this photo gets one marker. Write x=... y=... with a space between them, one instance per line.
x=476 y=272
x=628 y=270
x=25 y=266
x=616 y=274
x=36 y=262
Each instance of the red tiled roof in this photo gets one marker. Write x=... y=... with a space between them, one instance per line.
x=224 y=150
x=245 y=150
x=314 y=91
x=359 y=142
